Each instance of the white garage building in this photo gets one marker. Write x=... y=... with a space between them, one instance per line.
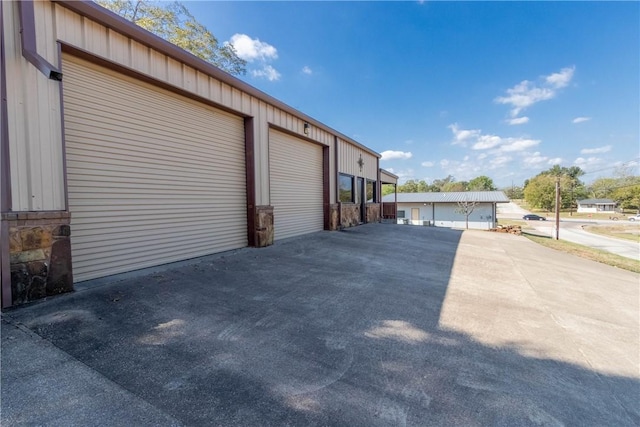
x=121 y=151
x=448 y=209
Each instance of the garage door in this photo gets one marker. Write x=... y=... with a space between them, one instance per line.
x=152 y=177
x=295 y=168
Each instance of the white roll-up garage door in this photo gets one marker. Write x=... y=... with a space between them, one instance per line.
x=153 y=177
x=295 y=170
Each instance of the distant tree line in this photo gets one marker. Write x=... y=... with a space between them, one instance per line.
x=448 y=184
x=539 y=191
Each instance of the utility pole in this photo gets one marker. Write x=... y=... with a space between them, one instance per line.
x=557 y=226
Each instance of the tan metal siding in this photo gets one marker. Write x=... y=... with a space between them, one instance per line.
x=33 y=110
x=390 y=179
x=153 y=177
x=348 y=156
x=296 y=185
x=37 y=181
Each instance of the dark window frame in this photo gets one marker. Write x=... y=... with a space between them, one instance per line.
x=352 y=193
x=401 y=214
x=373 y=183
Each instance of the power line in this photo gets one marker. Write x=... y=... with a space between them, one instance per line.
x=627 y=163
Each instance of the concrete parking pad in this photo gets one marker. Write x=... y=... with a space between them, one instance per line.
x=377 y=325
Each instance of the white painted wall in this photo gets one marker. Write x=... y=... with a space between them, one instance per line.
x=594 y=209
x=445 y=215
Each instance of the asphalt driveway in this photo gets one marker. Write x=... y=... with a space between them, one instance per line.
x=374 y=326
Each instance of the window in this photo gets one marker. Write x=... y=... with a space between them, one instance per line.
x=371 y=192
x=400 y=214
x=346 y=188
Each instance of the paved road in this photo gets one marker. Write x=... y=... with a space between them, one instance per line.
x=571 y=231
x=576 y=234
x=380 y=325
x=510 y=210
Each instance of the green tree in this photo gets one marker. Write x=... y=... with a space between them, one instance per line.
x=514 y=192
x=540 y=191
x=440 y=183
x=173 y=22
x=481 y=183
x=455 y=186
x=415 y=186
x=602 y=188
x=628 y=196
x=388 y=189
x=571 y=187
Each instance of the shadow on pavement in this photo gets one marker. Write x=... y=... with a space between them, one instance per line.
x=328 y=329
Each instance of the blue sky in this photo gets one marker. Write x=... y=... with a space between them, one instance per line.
x=503 y=89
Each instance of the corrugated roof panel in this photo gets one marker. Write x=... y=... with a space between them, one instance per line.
x=454 y=197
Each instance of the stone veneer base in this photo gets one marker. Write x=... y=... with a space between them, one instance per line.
x=39 y=254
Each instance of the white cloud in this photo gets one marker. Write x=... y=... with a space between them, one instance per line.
x=252 y=49
x=518 y=144
x=554 y=161
x=486 y=141
x=519 y=121
x=562 y=78
x=307 y=70
x=586 y=163
x=462 y=135
x=444 y=163
x=427 y=164
x=598 y=150
x=496 y=162
x=534 y=160
x=580 y=119
x=527 y=93
x=391 y=155
x=258 y=52
x=268 y=72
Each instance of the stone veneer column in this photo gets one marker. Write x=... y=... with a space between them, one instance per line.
x=264 y=226
x=40 y=254
x=334 y=217
x=373 y=212
x=350 y=215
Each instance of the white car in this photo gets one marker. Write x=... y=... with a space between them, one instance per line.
x=635 y=218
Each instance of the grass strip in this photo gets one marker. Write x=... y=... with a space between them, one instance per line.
x=597 y=255
x=615 y=232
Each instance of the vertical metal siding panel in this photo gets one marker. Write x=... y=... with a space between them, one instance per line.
x=15 y=109
x=158 y=66
x=370 y=165
x=270 y=114
x=140 y=58
x=45 y=31
x=34 y=126
x=69 y=26
x=174 y=72
x=119 y=48
x=348 y=161
x=153 y=177
x=225 y=93
x=202 y=85
x=296 y=185
x=95 y=38
x=262 y=154
x=332 y=172
x=247 y=104
x=236 y=99
x=215 y=88
x=189 y=79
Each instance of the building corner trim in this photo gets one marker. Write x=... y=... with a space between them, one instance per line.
x=28 y=41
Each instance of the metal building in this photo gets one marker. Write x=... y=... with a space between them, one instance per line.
x=121 y=151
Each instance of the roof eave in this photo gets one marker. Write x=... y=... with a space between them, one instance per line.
x=97 y=13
